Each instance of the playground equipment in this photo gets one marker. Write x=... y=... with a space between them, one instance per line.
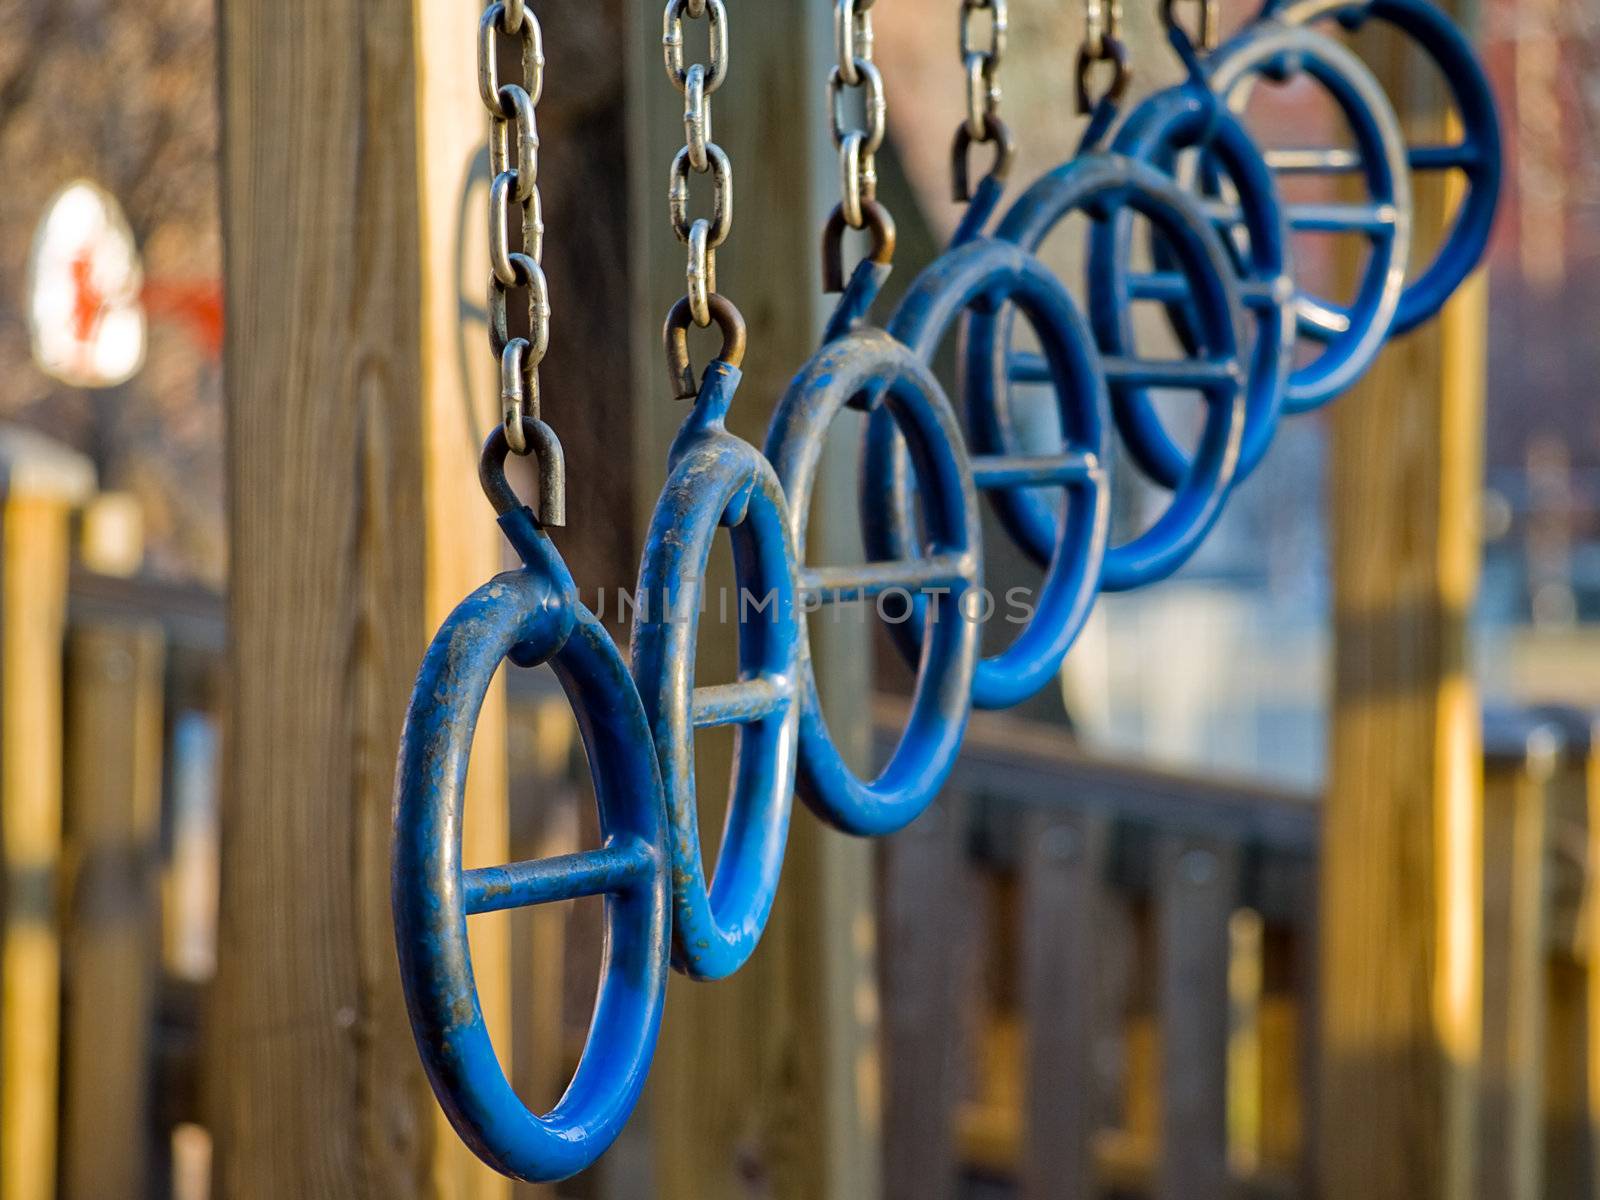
x=1225 y=269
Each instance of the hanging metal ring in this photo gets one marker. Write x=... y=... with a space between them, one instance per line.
x=547 y=452
x=675 y=334
x=876 y=220
x=1112 y=50
x=995 y=132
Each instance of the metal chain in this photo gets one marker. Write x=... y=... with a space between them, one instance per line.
x=1102 y=43
x=700 y=154
x=855 y=71
x=982 y=64
x=515 y=180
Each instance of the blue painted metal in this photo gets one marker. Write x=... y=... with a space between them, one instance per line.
x=1354 y=334
x=529 y=616
x=982 y=275
x=717 y=481
x=1478 y=155
x=866 y=367
x=1102 y=185
x=1186 y=117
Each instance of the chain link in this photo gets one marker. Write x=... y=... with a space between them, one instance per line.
x=855 y=71
x=982 y=63
x=514 y=169
x=1102 y=43
x=700 y=154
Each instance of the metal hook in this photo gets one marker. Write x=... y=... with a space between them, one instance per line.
x=546 y=449
x=676 y=336
x=1005 y=150
x=1111 y=50
x=1206 y=38
x=877 y=221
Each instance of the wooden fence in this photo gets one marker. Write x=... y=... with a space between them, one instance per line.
x=1097 y=978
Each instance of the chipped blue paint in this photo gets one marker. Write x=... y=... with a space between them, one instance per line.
x=981 y=275
x=716 y=480
x=529 y=616
x=866 y=367
x=1100 y=184
x=1478 y=155
x=1352 y=334
x=1161 y=128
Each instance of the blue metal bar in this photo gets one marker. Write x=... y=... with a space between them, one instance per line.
x=843 y=585
x=1034 y=470
x=1321 y=321
x=615 y=868
x=742 y=703
x=1314 y=160
x=1173 y=373
x=1442 y=158
x=1170 y=287
x=1342 y=218
x=1317 y=218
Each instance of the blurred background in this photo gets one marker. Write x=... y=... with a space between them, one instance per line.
x=1183 y=757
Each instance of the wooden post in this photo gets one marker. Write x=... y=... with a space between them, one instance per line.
x=925 y=914
x=1400 y=902
x=112 y=934
x=1520 y=764
x=1196 y=890
x=766 y=1083
x=350 y=132
x=1065 y=856
x=40 y=484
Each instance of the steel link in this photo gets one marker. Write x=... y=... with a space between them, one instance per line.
x=700 y=154
x=855 y=71
x=514 y=170
x=697 y=118
x=672 y=42
x=982 y=63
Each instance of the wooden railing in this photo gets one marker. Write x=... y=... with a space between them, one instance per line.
x=1100 y=979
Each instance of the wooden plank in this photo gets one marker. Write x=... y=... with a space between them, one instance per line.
x=112 y=935
x=39 y=485
x=1065 y=859
x=924 y=904
x=767 y=1083
x=1400 y=896
x=1197 y=885
x=1515 y=803
x=350 y=131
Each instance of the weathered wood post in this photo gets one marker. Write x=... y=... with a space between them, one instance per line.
x=40 y=484
x=350 y=130
x=1401 y=888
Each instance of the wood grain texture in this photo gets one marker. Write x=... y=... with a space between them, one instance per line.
x=766 y=1084
x=349 y=131
x=33 y=587
x=1516 y=802
x=111 y=940
x=1400 y=898
x=1064 y=862
x=1196 y=889
x=925 y=901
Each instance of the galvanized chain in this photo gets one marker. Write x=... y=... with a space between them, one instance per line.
x=700 y=154
x=980 y=60
x=515 y=181
x=1102 y=43
x=982 y=64
x=858 y=147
